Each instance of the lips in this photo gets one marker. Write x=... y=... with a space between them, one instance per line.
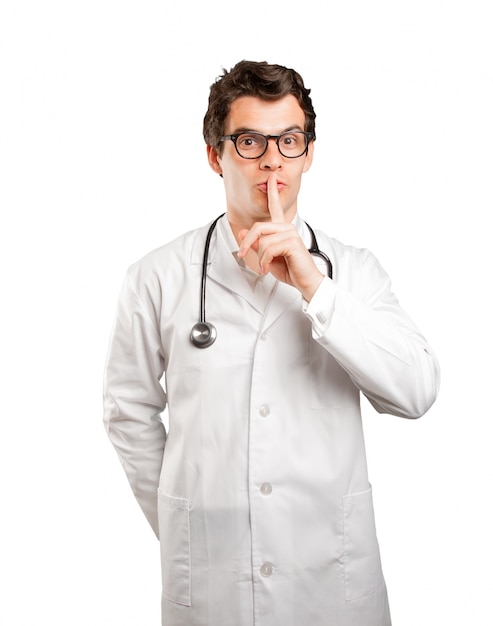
x=263 y=186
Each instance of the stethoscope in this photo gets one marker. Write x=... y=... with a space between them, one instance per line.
x=204 y=333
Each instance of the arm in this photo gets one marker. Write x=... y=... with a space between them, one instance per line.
x=356 y=318
x=134 y=398
x=373 y=339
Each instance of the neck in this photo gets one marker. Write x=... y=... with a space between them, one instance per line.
x=237 y=227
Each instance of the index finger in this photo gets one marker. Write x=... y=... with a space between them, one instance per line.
x=274 y=199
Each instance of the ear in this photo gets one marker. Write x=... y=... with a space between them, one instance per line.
x=309 y=157
x=214 y=160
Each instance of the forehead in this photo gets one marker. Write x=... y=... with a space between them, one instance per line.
x=269 y=117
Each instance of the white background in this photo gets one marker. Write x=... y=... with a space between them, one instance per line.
x=102 y=159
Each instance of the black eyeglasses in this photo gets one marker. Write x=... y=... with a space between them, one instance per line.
x=291 y=144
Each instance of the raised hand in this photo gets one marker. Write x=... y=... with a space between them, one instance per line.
x=279 y=247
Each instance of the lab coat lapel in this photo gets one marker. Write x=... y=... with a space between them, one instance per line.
x=281 y=299
x=222 y=267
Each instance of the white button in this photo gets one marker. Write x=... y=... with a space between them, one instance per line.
x=264 y=410
x=263 y=337
x=266 y=489
x=266 y=570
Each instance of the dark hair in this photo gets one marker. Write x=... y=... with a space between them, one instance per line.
x=261 y=80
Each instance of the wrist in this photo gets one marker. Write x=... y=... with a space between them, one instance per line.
x=309 y=291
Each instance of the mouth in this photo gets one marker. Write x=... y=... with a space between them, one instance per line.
x=264 y=189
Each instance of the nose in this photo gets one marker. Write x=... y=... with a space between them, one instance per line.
x=272 y=158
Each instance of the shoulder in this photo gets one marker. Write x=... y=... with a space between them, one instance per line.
x=341 y=251
x=163 y=273
x=164 y=270
x=184 y=251
x=352 y=266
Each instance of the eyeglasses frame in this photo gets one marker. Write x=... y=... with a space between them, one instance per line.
x=309 y=137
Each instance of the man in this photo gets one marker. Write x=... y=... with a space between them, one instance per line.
x=259 y=490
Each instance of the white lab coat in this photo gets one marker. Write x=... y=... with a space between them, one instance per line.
x=259 y=492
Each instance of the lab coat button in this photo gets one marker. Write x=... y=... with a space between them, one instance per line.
x=266 y=570
x=266 y=489
x=263 y=337
x=264 y=410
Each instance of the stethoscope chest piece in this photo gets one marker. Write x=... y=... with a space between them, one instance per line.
x=203 y=334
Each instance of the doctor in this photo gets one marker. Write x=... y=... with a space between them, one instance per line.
x=258 y=490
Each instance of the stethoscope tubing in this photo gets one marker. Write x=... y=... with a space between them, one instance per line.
x=204 y=268
x=314 y=249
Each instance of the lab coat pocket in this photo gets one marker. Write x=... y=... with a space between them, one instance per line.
x=174 y=535
x=361 y=555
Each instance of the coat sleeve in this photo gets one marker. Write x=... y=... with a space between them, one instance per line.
x=134 y=398
x=360 y=322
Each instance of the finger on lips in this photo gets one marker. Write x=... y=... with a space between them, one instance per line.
x=248 y=238
x=274 y=200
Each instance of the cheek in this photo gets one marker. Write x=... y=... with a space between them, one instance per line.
x=296 y=179
x=235 y=186
x=236 y=178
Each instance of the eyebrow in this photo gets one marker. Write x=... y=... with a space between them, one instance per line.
x=252 y=130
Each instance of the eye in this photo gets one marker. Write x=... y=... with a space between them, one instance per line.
x=250 y=141
x=291 y=141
